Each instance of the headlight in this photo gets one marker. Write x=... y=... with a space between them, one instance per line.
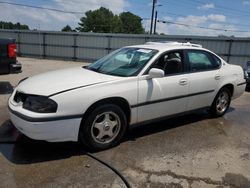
x=40 y=104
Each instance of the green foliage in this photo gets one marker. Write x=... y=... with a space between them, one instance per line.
x=131 y=23
x=103 y=20
x=10 y=25
x=67 y=28
x=100 y=20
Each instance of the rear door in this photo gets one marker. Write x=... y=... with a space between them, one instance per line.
x=204 y=78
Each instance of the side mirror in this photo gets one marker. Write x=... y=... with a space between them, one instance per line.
x=155 y=73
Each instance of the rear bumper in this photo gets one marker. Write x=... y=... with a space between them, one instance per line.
x=239 y=89
x=16 y=67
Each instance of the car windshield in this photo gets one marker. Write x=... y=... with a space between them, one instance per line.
x=123 y=62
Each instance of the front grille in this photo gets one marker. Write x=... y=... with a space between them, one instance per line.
x=20 y=97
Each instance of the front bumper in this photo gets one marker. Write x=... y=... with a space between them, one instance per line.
x=51 y=131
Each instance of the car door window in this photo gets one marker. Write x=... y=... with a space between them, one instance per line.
x=201 y=61
x=171 y=63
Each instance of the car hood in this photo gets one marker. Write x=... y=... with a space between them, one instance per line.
x=62 y=80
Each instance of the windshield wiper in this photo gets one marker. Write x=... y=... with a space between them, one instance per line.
x=103 y=72
x=90 y=68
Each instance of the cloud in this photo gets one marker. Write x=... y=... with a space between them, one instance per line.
x=206 y=6
x=217 y=17
x=195 y=22
x=85 y=5
x=192 y=20
x=245 y=2
x=167 y=18
x=49 y=20
x=198 y=20
x=222 y=26
x=180 y=30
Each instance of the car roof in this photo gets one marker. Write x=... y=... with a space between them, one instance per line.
x=169 y=45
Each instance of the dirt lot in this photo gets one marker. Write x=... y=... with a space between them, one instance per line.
x=190 y=151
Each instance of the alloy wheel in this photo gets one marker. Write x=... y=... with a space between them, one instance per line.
x=105 y=127
x=222 y=102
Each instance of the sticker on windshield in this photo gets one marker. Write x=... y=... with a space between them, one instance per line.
x=144 y=51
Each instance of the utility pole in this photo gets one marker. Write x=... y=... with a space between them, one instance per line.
x=155 y=22
x=152 y=16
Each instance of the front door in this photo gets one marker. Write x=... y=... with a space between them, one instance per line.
x=159 y=97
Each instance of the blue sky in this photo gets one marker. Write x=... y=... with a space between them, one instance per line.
x=230 y=15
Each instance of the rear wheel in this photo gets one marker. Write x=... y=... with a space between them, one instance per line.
x=104 y=127
x=221 y=102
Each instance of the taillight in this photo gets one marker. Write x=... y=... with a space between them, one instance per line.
x=12 y=50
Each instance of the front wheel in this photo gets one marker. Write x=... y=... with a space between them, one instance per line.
x=104 y=127
x=221 y=102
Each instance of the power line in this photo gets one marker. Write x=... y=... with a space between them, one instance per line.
x=221 y=7
x=190 y=5
x=216 y=6
x=223 y=23
x=43 y=8
x=50 y=9
x=163 y=21
x=202 y=27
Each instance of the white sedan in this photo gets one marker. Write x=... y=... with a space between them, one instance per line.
x=135 y=84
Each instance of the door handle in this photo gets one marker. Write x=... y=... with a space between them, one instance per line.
x=183 y=81
x=217 y=77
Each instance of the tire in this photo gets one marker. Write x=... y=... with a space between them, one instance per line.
x=103 y=128
x=221 y=102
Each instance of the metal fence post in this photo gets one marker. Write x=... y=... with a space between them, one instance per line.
x=19 y=43
x=74 y=47
x=109 y=43
x=44 y=45
x=229 y=50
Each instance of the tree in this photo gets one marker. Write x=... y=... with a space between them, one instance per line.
x=67 y=28
x=103 y=20
x=131 y=23
x=10 y=25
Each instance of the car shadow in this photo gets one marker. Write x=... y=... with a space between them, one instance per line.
x=6 y=88
x=138 y=131
x=20 y=149
x=230 y=109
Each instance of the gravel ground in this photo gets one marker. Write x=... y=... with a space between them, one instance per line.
x=190 y=151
